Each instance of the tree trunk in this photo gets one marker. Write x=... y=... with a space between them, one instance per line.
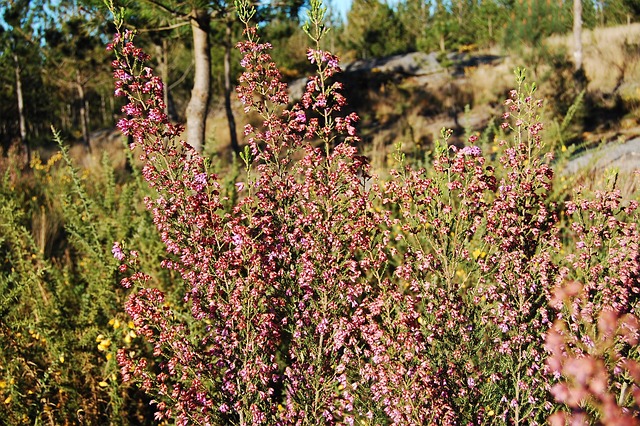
x=84 y=116
x=112 y=108
x=21 y=118
x=490 y=29
x=233 y=136
x=577 y=34
x=199 y=102
x=103 y=110
x=163 y=66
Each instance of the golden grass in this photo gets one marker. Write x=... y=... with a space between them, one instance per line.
x=611 y=55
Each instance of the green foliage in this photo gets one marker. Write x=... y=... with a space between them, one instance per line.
x=613 y=12
x=61 y=300
x=374 y=31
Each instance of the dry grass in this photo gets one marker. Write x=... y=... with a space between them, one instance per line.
x=611 y=56
x=490 y=83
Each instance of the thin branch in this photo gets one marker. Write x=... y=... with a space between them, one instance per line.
x=169 y=27
x=174 y=12
x=181 y=79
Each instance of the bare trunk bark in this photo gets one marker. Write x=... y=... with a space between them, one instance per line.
x=233 y=136
x=112 y=107
x=84 y=116
x=199 y=102
x=21 y=118
x=577 y=34
x=164 y=72
x=103 y=110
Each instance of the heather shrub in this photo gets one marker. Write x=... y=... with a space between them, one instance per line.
x=277 y=286
x=327 y=296
x=476 y=259
x=472 y=288
x=593 y=341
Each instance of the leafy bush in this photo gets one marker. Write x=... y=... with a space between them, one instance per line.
x=61 y=303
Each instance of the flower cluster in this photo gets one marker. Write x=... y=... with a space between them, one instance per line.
x=593 y=342
x=278 y=286
x=324 y=297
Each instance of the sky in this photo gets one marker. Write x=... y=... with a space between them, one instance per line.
x=341 y=6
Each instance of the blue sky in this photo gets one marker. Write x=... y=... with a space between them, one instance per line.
x=342 y=6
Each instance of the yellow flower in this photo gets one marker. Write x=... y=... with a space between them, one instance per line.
x=103 y=384
x=109 y=356
x=564 y=148
x=8 y=400
x=61 y=359
x=477 y=253
x=3 y=384
x=115 y=323
x=104 y=345
x=130 y=335
x=131 y=325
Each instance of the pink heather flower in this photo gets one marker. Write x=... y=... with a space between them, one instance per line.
x=471 y=151
x=124 y=125
x=301 y=117
x=311 y=55
x=239 y=186
x=117 y=251
x=236 y=239
x=201 y=178
x=156 y=115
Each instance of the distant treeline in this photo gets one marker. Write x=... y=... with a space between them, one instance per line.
x=54 y=68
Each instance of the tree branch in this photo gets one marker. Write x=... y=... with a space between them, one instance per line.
x=181 y=79
x=176 y=13
x=168 y=27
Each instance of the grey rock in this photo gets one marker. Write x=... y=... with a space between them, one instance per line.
x=624 y=156
x=410 y=64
